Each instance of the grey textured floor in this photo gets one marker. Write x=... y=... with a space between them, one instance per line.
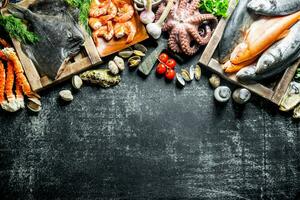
x=147 y=139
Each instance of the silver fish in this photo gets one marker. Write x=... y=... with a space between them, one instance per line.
x=237 y=25
x=274 y=7
x=281 y=52
x=249 y=75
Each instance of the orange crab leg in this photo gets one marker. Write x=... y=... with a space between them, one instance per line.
x=2 y=82
x=9 y=82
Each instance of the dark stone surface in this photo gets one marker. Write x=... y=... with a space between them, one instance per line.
x=147 y=139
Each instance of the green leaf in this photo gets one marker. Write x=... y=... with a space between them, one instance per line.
x=215 y=7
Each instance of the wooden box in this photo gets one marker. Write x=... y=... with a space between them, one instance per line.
x=272 y=93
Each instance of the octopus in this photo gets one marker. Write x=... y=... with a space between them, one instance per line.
x=188 y=29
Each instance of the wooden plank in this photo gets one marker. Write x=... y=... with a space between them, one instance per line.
x=28 y=66
x=216 y=37
x=255 y=88
x=90 y=48
x=282 y=86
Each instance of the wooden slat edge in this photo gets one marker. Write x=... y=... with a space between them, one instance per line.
x=217 y=35
x=283 y=85
x=28 y=66
x=91 y=48
x=255 y=88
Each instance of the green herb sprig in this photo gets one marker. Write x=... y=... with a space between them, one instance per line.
x=17 y=29
x=84 y=7
x=215 y=7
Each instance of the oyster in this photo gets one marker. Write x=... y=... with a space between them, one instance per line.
x=112 y=66
x=134 y=61
x=119 y=62
x=34 y=105
x=291 y=98
x=214 y=81
x=296 y=114
x=197 y=72
x=138 y=53
x=140 y=47
x=125 y=53
x=186 y=75
x=76 y=82
x=101 y=77
x=66 y=95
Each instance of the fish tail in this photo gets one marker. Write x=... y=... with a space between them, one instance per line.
x=18 y=11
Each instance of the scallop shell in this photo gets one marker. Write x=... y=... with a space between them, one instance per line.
x=77 y=82
x=119 y=62
x=180 y=79
x=186 y=75
x=197 y=72
x=112 y=66
x=125 y=53
x=66 y=95
x=138 y=53
x=134 y=61
x=140 y=47
x=215 y=81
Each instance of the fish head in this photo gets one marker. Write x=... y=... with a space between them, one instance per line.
x=246 y=74
x=240 y=53
x=264 y=63
x=259 y=5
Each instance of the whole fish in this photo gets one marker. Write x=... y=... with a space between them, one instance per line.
x=59 y=38
x=281 y=52
x=261 y=35
x=237 y=25
x=274 y=7
x=249 y=75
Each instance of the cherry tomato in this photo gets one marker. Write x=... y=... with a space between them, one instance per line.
x=170 y=74
x=161 y=69
x=171 y=63
x=163 y=57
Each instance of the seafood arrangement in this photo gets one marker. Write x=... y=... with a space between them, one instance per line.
x=269 y=45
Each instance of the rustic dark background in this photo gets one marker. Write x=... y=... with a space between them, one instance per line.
x=147 y=139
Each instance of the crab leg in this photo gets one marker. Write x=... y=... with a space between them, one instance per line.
x=2 y=82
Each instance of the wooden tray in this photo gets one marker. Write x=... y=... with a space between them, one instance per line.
x=107 y=48
x=87 y=58
x=274 y=94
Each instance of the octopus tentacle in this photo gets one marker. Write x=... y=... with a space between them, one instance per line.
x=185 y=43
x=202 y=40
x=193 y=6
x=198 y=18
x=160 y=10
x=173 y=42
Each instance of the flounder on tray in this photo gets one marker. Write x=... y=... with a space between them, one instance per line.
x=60 y=37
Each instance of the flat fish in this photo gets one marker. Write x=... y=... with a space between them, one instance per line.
x=281 y=52
x=274 y=7
x=59 y=38
x=237 y=25
x=249 y=75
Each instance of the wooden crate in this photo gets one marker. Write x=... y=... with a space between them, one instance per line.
x=274 y=94
x=87 y=58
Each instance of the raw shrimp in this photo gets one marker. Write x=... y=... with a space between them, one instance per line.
x=98 y=9
x=125 y=11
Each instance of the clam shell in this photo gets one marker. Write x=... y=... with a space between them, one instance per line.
x=192 y=72
x=66 y=95
x=34 y=105
x=241 y=95
x=138 y=53
x=180 y=79
x=112 y=66
x=140 y=47
x=214 y=81
x=119 y=62
x=197 y=72
x=76 y=82
x=222 y=94
x=186 y=75
x=134 y=61
x=125 y=53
